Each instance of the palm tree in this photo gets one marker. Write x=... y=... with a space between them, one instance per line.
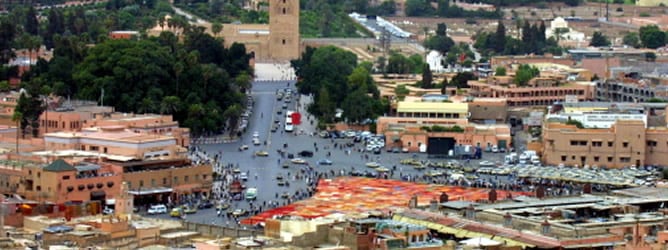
x=216 y=28
x=170 y=104
x=178 y=70
x=161 y=22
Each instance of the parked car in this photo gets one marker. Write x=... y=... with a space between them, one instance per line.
x=239 y=212
x=243 y=147
x=157 y=209
x=325 y=162
x=262 y=153
x=108 y=210
x=305 y=153
x=190 y=210
x=176 y=212
x=205 y=205
x=298 y=161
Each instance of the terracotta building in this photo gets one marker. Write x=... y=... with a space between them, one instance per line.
x=60 y=181
x=72 y=116
x=114 y=142
x=163 y=180
x=539 y=91
x=408 y=128
x=277 y=41
x=626 y=143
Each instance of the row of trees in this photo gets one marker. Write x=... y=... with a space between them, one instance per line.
x=333 y=76
x=222 y=11
x=90 y=22
x=198 y=80
x=532 y=41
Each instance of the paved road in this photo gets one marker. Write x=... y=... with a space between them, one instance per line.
x=267 y=168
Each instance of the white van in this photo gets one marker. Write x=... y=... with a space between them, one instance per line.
x=157 y=209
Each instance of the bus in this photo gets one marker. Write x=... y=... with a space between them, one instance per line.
x=289 y=127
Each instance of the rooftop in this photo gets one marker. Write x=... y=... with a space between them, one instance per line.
x=117 y=135
x=59 y=166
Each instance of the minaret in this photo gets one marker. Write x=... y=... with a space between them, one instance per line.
x=125 y=201
x=284 y=42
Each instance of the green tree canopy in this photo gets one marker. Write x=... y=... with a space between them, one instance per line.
x=599 y=40
x=524 y=74
x=652 y=37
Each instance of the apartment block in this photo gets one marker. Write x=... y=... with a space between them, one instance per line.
x=626 y=143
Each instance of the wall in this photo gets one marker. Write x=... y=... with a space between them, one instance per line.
x=219 y=231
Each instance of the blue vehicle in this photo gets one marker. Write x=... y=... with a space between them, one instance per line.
x=325 y=162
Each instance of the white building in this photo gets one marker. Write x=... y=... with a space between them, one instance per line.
x=435 y=61
x=570 y=34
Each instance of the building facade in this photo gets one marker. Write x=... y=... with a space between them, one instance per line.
x=60 y=181
x=166 y=180
x=613 y=90
x=626 y=143
x=415 y=123
x=545 y=92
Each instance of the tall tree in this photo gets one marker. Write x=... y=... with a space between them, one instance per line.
x=7 y=35
x=444 y=86
x=500 y=38
x=427 y=77
x=31 y=25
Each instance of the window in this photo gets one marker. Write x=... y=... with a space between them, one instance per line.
x=105 y=150
x=283 y=10
x=283 y=41
x=203 y=177
x=651 y=143
x=609 y=158
x=141 y=183
x=563 y=158
x=152 y=182
x=583 y=143
x=38 y=188
x=610 y=144
x=176 y=180
x=596 y=158
x=572 y=157
x=66 y=177
x=596 y=144
x=284 y=1
x=624 y=159
x=625 y=144
x=164 y=181
x=94 y=148
x=185 y=179
x=583 y=158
